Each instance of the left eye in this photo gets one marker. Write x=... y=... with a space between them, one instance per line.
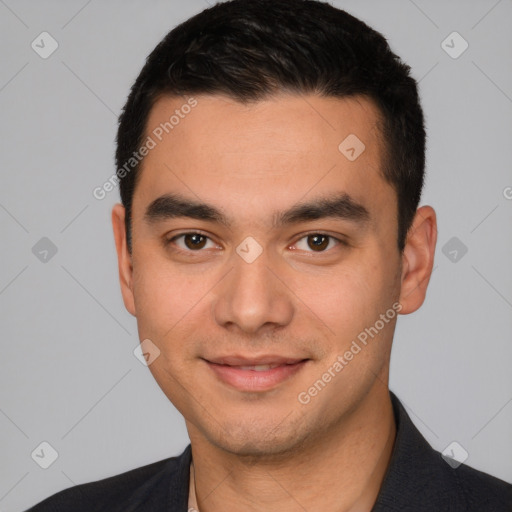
x=318 y=242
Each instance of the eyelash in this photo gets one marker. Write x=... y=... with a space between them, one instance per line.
x=169 y=241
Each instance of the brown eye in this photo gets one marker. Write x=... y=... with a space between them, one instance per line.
x=190 y=242
x=318 y=242
x=194 y=240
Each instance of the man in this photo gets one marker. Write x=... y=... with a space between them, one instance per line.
x=271 y=160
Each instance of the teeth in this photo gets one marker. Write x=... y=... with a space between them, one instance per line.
x=259 y=367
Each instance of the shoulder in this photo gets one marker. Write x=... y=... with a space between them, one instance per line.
x=480 y=490
x=420 y=479
x=159 y=482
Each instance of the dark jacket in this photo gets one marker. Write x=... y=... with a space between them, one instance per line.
x=417 y=480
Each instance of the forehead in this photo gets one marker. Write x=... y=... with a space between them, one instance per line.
x=285 y=122
x=279 y=150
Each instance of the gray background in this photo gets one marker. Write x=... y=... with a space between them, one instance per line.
x=68 y=373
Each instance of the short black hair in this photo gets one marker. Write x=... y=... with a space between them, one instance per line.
x=253 y=49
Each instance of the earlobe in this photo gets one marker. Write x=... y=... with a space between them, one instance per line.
x=418 y=259
x=124 y=259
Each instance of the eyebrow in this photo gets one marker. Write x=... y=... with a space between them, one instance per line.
x=339 y=206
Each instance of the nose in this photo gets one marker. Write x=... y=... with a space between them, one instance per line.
x=252 y=298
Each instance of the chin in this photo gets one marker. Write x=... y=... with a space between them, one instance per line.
x=257 y=448
x=259 y=439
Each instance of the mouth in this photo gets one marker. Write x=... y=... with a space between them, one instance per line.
x=256 y=374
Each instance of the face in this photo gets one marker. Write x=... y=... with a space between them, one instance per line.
x=262 y=250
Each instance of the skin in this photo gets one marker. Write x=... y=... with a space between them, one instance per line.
x=266 y=451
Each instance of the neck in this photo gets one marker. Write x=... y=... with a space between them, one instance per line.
x=341 y=472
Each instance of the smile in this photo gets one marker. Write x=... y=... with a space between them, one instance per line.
x=256 y=377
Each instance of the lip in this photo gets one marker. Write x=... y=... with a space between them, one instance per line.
x=253 y=361
x=231 y=371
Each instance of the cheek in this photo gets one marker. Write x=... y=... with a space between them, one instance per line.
x=350 y=301
x=167 y=299
x=158 y=295
x=168 y=309
x=346 y=300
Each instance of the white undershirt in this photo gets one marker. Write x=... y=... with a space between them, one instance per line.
x=192 y=502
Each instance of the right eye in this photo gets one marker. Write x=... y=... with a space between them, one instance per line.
x=190 y=242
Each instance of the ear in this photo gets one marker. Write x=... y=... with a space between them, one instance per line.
x=418 y=259
x=124 y=258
